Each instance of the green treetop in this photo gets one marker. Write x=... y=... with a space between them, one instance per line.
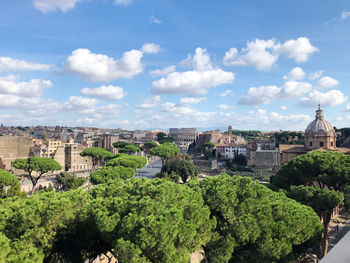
x=9 y=184
x=36 y=164
x=165 y=151
x=98 y=156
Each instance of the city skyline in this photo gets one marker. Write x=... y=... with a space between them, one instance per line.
x=138 y=64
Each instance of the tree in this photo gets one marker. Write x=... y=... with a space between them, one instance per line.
x=132 y=161
x=185 y=169
x=240 y=159
x=322 y=201
x=162 y=138
x=254 y=224
x=68 y=181
x=120 y=144
x=36 y=164
x=327 y=169
x=165 y=151
x=150 y=220
x=209 y=145
x=9 y=185
x=129 y=149
x=324 y=169
x=97 y=155
x=111 y=173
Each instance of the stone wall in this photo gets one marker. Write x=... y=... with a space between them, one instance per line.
x=12 y=148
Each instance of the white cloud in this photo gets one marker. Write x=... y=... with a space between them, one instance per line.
x=150 y=103
x=226 y=92
x=150 y=48
x=32 y=88
x=195 y=82
x=345 y=15
x=296 y=73
x=263 y=54
x=10 y=64
x=330 y=98
x=163 y=72
x=266 y=94
x=293 y=89
x=256 y=54
x=46 y=6
x=316 y=75
x=106 y=92
x=192 y=100
x=225 y=107
x=99 y=67
x=284 y=107
x=299 y=49
x=154 y=20
x=326 y=82
x=123 y=2
x=77 y=102
x=260 y=95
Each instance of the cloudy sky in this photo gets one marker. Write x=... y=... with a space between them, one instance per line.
x=174 y=63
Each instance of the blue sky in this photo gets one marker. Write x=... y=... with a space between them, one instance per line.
x=143 y=64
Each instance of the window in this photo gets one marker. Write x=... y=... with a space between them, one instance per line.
x=331 y=144
x=310 y=144
x=321 y=144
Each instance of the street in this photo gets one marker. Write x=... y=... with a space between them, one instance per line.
x=150 y=170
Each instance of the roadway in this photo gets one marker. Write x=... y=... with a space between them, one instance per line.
x=150 y=170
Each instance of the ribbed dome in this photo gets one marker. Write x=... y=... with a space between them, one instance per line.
x=319 y=124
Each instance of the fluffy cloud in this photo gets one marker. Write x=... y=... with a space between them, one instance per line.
x=330 y=98
x=266 y=94
x=225 y=107
x=77 y=102
x=299 y=49
x=195 y=82
x=225 y=93
x=32 y=88
x=123 y=2
x=256 y=54
x=163 y=72
x=293 y=89
x=192 y=100
x=296 y=73
x=46 y=6
x=150 y=103
x=106 y=92
x=150 y=48
x=99 y=67
x=263 y=54
x=316 y=75
x=345 y=15
x=326 y=82
x=260 y=95
x=10 y=64
x=284 y=107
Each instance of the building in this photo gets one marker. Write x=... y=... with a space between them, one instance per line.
x=230 y=151
x=183 y=137
x=319 y=135
x=12 y=148
x=263 y=154
x=73 y=161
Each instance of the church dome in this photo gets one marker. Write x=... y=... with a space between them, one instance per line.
x=319 y=124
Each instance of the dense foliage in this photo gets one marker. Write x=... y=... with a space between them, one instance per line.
x=183 y=168
x=68 y=181
x=110 y=173
x=132 y=161
x=254 y=224
x=162 y=138
x=137 y=220
x=9 y=184
x=319 y=175
x=327 y=169
x=165 y=151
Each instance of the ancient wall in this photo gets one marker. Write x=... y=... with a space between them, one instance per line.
x=12 y=148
